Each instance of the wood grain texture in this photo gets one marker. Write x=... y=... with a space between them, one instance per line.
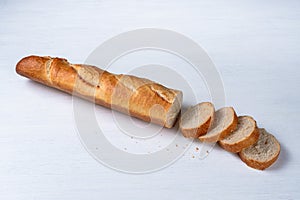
x=254 y=44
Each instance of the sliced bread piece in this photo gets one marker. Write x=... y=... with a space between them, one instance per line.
x=242 y=137
x=263 y=153
x=197 y=120
x=225 y=121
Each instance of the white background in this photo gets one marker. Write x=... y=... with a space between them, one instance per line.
x=254 y=44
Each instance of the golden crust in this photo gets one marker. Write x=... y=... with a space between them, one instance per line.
x=138 y=97
x=33 y=67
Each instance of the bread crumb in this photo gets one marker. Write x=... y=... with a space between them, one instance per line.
x=197 y=149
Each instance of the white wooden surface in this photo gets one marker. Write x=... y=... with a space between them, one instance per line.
x=254 y=44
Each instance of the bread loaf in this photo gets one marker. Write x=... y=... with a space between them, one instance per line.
x=138 y=97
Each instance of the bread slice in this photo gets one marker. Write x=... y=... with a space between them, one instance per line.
x=263 y=153
x=225 y=121
x=197 y=120
x=244 y=136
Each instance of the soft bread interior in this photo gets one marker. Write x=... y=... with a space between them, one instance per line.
x=265 y=149
x=223 y=118
x=174 y=110
x=246 y=125
x=197 y=115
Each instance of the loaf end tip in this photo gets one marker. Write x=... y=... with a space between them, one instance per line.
x=21 y=65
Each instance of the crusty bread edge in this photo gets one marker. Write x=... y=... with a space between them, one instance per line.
x=245 y=143
x=260 y=165
x=201 y=130
x=224 y=133
x=196 y=132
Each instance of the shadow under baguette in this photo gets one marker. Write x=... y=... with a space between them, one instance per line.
x=39 y=86
x=283 y=159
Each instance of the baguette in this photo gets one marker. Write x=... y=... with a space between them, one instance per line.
x=137 y=97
